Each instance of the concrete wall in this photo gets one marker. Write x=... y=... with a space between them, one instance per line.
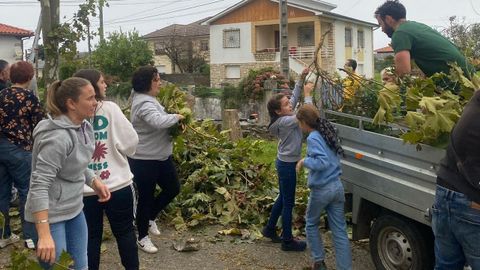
x=10 y=49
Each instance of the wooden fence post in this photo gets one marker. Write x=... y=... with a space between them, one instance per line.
x=232 y=122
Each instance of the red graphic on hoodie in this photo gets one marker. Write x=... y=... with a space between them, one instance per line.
x=100 y=151
x=105 y=175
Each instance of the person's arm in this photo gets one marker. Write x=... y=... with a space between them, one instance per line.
x=36 y=110
x=307 y=92
x=298 y=88
x=316 y=158
x=402 y=63
x=155 y=118
x=124 y=135
x=52 y=150
x=45 y=245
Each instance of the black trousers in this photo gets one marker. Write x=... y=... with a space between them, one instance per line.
x=148 y=174
x=119 y=211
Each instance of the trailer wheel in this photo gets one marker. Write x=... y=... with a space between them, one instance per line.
x=397 y=244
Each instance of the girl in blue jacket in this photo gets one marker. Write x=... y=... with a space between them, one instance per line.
x=326 y=189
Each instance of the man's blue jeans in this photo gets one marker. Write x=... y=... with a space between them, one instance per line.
x=15 y=168
x=332 y=199
x=456 y=226
x=71 y=236
x=287 y=182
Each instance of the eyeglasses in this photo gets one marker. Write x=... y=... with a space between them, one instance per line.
x=156 y=79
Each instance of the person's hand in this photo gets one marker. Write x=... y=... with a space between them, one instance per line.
x=299 y=165
x=180 y=117
x=305 y=73
x=46 y=248
x=101 y=190
x=308 y=89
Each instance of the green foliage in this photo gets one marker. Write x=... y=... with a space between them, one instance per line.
x=121 y=53
x=119 y=89
x=428 y=107
x=253 y=85
x=20 y=260
x=232 y=97
x=383 y=63
x=174 y=101
x=206 y=92
x=224 y=183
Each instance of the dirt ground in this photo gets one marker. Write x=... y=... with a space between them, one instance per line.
x=218 y=252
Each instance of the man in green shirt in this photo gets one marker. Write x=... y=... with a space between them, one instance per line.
x=431 y=51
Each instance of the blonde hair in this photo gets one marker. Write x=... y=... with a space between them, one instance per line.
x=60 y=91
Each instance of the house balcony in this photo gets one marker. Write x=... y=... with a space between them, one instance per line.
x=301 y=41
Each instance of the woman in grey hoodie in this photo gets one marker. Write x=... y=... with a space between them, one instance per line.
x=152 y=163
x=63 y=146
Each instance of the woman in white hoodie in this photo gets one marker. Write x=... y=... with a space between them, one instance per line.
x=115 y=138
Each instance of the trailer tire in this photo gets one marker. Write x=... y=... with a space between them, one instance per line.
x=398 y=244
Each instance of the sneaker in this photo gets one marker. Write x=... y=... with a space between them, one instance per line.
x=12 y=239
x=272 y=234
x=294 y=245
x=320 y=265
x=29 y=244
x=152 y=228
x=146 y=245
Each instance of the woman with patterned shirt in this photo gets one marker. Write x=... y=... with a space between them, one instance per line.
x=20 y=112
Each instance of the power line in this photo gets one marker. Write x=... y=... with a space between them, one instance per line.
x=168 y=12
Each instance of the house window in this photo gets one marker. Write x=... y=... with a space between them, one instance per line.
x=348 y=37
x=360 y=39
x=232 y=72
x=162 y=69
x=231 y=38
x=306 y=36
x=204 y=45
x=159 y=48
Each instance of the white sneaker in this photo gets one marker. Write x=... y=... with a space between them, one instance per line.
x=152 y=228
x=12 y=239
x=146 y=245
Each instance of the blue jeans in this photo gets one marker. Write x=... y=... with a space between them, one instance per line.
x=332 y=199
x=456 y=226
x=71 y=236
x=15 y=168
x=287 y=182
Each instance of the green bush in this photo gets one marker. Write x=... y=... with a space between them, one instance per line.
x=120 y=89
x=206 y=92
x=232 y=97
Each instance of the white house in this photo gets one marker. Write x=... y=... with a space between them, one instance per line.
x=11 y=42
x=246 y=36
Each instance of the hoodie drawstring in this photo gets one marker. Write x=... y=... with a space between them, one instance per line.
x=83 y=131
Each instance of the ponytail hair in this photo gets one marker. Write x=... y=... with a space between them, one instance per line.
x=309 y=115
x=273 y=105
x=60 y=91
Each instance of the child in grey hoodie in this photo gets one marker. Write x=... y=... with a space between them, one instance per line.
x=63 y=146
x=285 y=127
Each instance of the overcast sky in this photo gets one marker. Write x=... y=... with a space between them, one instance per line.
x=146 y=16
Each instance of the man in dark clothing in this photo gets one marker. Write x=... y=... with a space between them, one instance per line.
x=431 y=51
x=4 y=74
x=456 y=211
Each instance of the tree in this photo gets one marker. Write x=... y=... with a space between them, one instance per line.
x=61 y=39
x=465 y=36
x=121 y=53
x=182 y=54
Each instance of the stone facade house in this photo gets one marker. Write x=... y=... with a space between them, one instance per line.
x=246 y=36
x=11 y=42
x=178 y=42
